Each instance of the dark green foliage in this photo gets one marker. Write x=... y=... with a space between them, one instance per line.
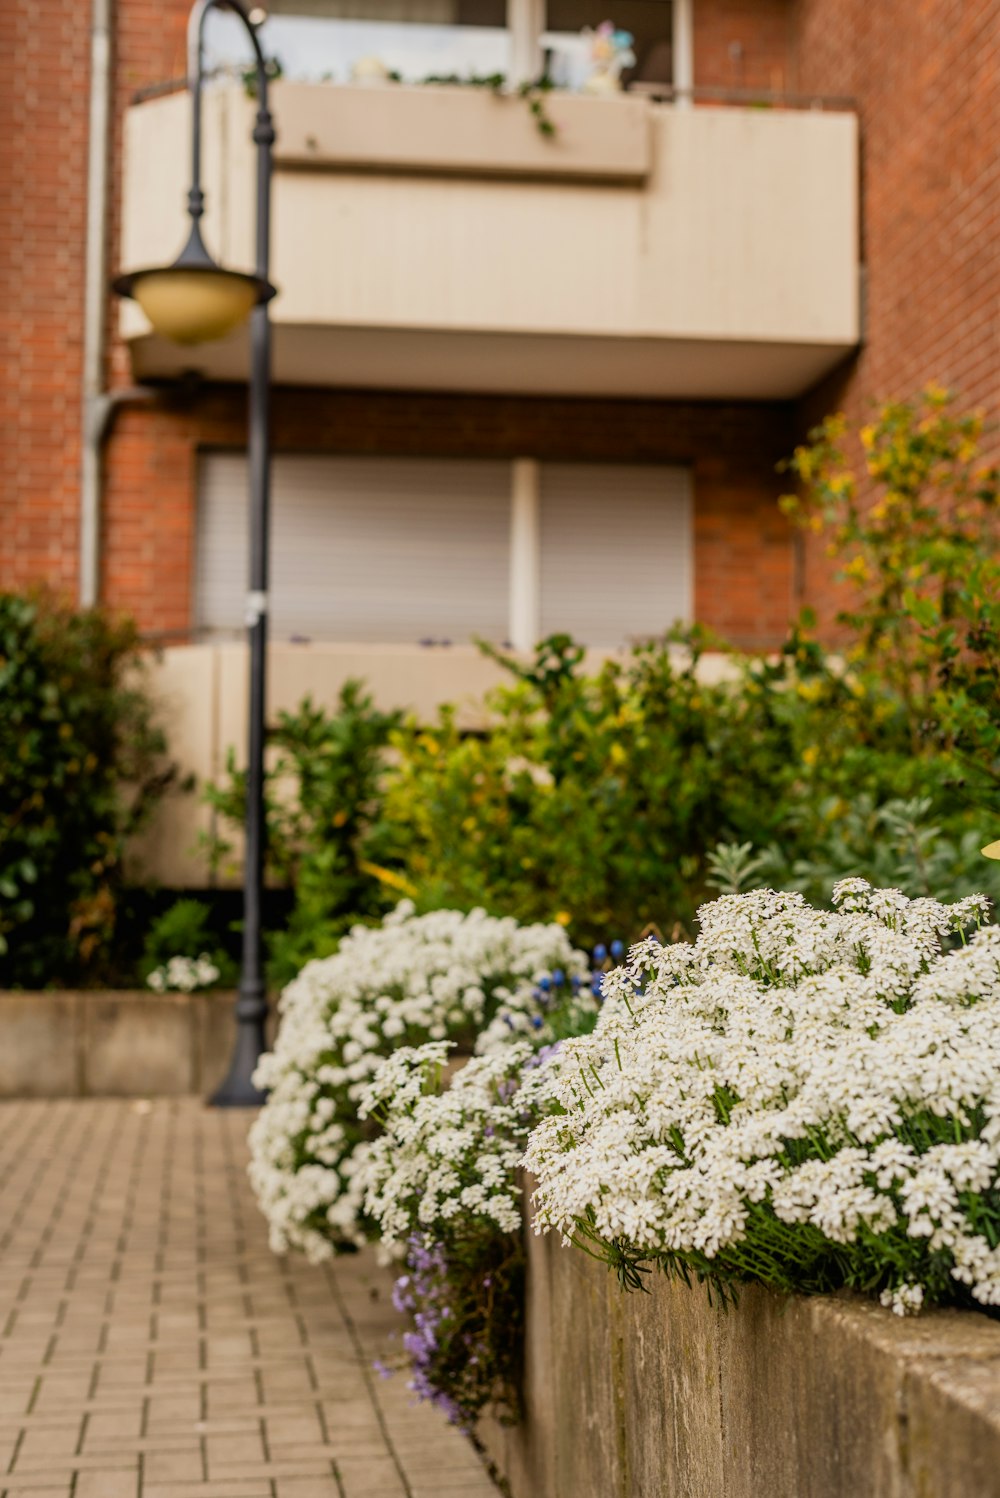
x=326 y=834
x=623 y=799
x=185 y=929
x=599 y=800
x=80 y=769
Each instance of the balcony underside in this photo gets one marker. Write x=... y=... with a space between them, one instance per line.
x=508 y=363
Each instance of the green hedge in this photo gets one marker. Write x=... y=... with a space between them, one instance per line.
x=80 y=768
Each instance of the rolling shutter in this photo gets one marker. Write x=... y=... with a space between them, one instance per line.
x=363 y=549
x=615 y=551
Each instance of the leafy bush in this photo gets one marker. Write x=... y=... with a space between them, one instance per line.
x=921 y=558
x=588 y=800
x=80 y=770
x=326 y=833
x=183 y=932
x=599 y=801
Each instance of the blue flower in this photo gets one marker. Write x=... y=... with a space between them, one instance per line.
x=600 y=952
x=617 y=949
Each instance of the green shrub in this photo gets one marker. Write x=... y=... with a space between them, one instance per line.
x=605 y=802
x=326 y=834
x=598 y=800
x=922 y=562
x=80 y=769
x=185 y=929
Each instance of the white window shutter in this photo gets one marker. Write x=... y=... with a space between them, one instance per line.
x=377 y=550
x=616 y=551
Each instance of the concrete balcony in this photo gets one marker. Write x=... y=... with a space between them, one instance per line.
x=432 y=238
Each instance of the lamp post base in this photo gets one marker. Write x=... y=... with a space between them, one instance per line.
x=238 y=1090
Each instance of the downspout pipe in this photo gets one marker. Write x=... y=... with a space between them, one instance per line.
x=95 y=402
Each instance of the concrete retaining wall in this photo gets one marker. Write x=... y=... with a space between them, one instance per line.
x=113 y=1044
x=662 y=1396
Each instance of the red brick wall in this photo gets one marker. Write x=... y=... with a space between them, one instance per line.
x=43 y=177
x=743 y=572
x=926 y=78
x=743 y=554
x=744 y=44
x=150 y=49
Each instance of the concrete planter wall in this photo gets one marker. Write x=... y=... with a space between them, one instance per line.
x=662 y=1396
x=113 y=1044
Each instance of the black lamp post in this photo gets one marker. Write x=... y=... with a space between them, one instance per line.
x=191 y=301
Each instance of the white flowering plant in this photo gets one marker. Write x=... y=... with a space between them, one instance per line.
x=468 y=978
x=802 y=1097
x=442 y=1185
x=184 y=974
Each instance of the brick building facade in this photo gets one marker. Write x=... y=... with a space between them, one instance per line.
x=924 y=82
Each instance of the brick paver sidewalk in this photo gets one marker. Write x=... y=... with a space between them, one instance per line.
x=151 y=1345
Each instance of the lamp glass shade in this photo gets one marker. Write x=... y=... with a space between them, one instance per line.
x=188 y=304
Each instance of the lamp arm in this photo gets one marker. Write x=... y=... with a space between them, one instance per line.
x=263 y=134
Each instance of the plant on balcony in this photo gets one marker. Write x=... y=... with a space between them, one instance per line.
x=533 y=92
x=809 y=1099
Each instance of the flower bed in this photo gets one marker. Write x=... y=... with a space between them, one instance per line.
x=808 y=1099
x=413 y=979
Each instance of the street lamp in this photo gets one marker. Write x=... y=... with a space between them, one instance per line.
x=192 y=301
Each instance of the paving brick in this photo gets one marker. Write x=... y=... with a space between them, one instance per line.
x=308 y=1487
x=183 y=1465
x=152 y=1360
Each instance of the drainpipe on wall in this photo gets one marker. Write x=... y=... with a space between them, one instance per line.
x=96 y=403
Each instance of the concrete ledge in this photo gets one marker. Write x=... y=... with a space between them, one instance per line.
x=662 y=1396
x=113 y=1044
x=460 y=131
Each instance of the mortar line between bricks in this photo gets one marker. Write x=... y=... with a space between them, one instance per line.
x=36 y=1183
x=70 y=1175
x=366 y=1374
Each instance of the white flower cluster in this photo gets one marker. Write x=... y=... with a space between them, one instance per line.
x=415 y=978
x=184 y=974
x=794 y=1072
x=449 y=1157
